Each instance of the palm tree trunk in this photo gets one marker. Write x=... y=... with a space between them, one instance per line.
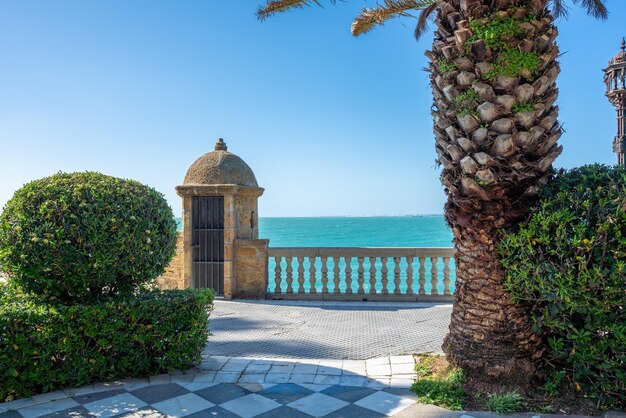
x=496 y=135
x=490 y=337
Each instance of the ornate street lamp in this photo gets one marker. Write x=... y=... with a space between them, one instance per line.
x=615 y=80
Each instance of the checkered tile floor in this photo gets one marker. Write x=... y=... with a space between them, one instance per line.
x=227 y=400
x=241 y=387
x=230 y=400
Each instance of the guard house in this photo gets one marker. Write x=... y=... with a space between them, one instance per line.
x=221 y=249
x=615 y=80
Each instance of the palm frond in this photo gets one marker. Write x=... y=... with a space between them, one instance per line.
x=595 y=8
x=277 y=6
x=368 y=18
x=558 y=9
x=422 y=20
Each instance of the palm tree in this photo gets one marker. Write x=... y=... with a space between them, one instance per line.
x=493 y=68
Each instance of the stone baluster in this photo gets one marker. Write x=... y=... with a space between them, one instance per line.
x=384 y=278
x=289 y=275
x=446 y=275
x=300 y=274
x=372 y=275
x=396 y=275
x=409 y=275
x=324 y=275
x=277 y=274
x=336 y=271
x=348 y=274
x=422 y=279
x=312 y=278
x=433 y=275
x=360 y=276
x=391 y=276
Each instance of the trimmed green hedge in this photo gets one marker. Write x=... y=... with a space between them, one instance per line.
x=83 y=237
x=567 y=263
x=44 y=346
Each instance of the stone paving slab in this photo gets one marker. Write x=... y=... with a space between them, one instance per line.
x=326 y=330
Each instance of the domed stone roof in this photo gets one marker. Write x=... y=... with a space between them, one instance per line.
x=620 y=58
x=220 y=167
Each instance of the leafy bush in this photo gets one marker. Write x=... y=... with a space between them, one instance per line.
x=568 y=264
x=44 y=346
x=84 y=236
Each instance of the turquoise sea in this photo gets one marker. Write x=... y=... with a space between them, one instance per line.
x=388 y=231
x=378 y=231
x=391 y=231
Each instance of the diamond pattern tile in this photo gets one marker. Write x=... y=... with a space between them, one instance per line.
x=92 y=397
x=182 y=406
x=348 y=394
x=157 y=393
x=284 y=412
x=145 y=412
x=222 y=393
x=385 y=403
x=77 y=412
x=353 y=411
x=318 y=404
x=285 y=393
x=116 y=405
x=215 y=412
x=404 y=392
x=250 y=405
x=36 y=411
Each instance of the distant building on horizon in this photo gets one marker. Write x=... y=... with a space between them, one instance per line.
x=615 y=80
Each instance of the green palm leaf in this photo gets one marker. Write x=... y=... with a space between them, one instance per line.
x=368 y=18
x=277 y=6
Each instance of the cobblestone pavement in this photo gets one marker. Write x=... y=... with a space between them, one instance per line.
x=333 y=330
x=245 y=388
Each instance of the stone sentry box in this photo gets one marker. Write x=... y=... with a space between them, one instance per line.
x=221 y=248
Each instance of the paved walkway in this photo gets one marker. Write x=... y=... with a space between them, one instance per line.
x=326 y=330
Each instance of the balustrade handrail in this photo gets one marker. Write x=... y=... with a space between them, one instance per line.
x=361 y=273
x=362 y=251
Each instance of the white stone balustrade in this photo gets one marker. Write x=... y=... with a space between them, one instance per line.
x=373 y=274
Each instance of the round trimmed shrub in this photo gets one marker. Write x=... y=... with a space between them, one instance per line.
x=568 y=264
x=82 y=237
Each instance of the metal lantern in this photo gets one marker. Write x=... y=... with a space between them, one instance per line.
x=615 y=80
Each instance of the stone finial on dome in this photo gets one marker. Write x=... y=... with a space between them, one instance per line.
x=220 y=167
x=624 y=43
x=220 y=145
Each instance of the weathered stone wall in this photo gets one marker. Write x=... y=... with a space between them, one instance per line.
x=247 y=222
x=173 y=276
x=250 y=268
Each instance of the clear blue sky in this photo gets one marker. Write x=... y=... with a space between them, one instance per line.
x=330 y=124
